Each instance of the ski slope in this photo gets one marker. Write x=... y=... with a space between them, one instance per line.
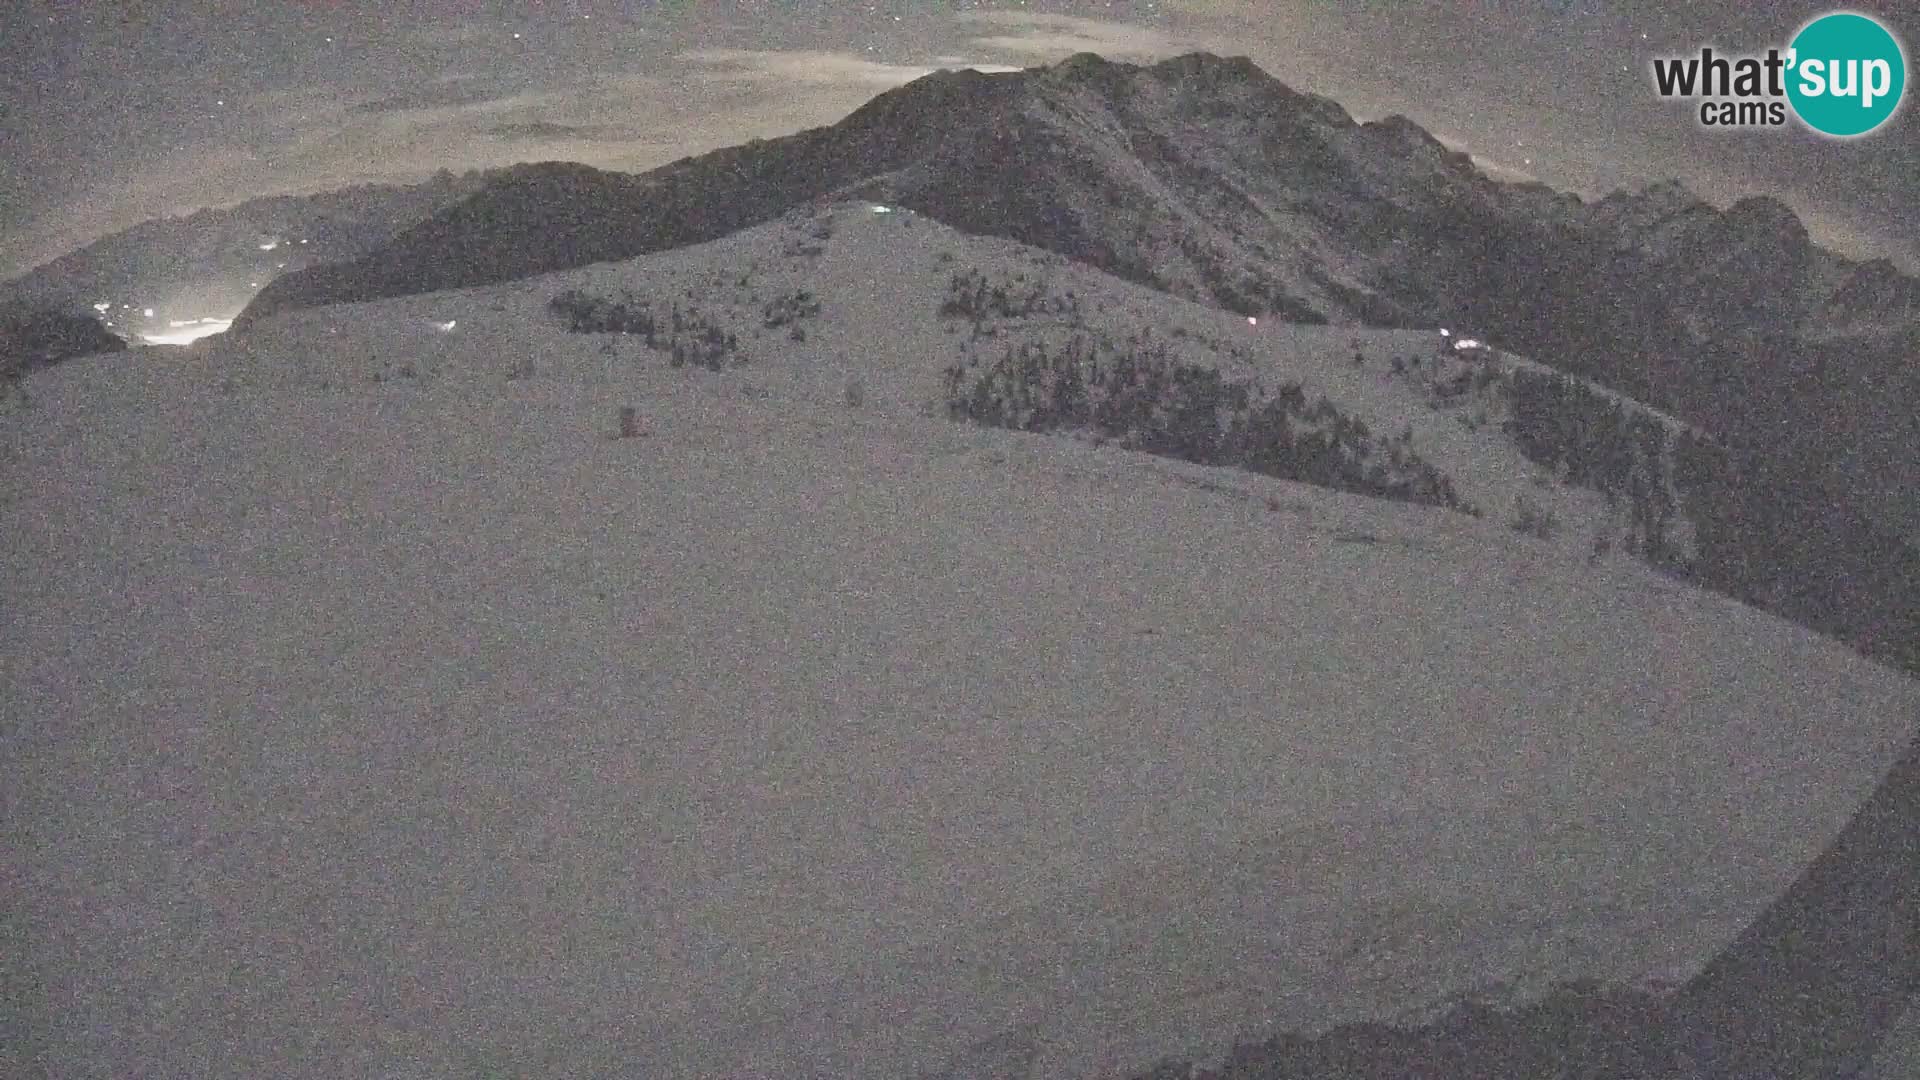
x=419 y=728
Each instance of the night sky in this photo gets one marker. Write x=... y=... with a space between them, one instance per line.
x=111 y=113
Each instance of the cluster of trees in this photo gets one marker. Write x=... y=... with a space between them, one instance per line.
x=813 y=243
x=1778 y=539
x=789 y=308
x=971 y=295
x=1594 y=441
x=1139 y=396
x=1764 y=531
x=686 y=335
x=1448 y=389
x=587 y=314
x=1248 y=294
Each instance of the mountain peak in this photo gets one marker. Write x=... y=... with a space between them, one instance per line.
x=1666 y=197
x=1212 y=64
x=1402 y=129
x=1091 y=70
x=1766 y=214
x=1085 y=62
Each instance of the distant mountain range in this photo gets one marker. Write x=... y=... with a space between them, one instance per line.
x=1200 y=176
x=209 y=264
x=1209 y=179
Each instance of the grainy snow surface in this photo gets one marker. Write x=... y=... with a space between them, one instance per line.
x=419 y=728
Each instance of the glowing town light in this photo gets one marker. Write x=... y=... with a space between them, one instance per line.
x=270 y=245
x=149 y=313
x=1251 y=321
x=445 y=327
x=1443 y=331
x=1468 y=343
x=878 y=209
x=191 y=332
x=103 y=306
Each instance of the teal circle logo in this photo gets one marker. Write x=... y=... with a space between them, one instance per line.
x=1846 y=74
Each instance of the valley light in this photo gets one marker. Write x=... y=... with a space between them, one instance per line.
x=444 y=327
x=191 y=331
x=878 y=209
x=270 y=246
x=103 y=305
x=149 y=313
x=1251 y=321
x=1466 y=343
x=1443 y=331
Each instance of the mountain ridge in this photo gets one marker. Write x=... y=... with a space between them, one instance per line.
x=211 y=262
x=1210 y=179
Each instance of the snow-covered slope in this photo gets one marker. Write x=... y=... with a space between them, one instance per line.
x=874 y=282
x=419 y=728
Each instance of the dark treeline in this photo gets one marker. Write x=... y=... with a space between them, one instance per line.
x=685 y=335
x=1763 y=533
x=1138 y=396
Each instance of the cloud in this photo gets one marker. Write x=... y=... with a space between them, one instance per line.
x=812 y=67
x=439 y=94
x=546 y=129
x=316 y=138
x=1055 y=36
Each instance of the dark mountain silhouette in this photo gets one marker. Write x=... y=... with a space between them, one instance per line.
x=1209 y=179
x=1200 y=175
x=39 y=337
x=1811 y=990
x=208 y=260
x=1206 y=178
x=1813 y=985
x=543 y=217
